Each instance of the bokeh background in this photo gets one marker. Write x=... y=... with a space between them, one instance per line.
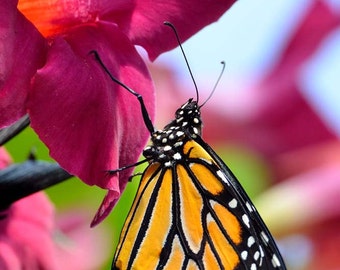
x=274 y=119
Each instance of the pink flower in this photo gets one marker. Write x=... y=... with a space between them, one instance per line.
x=26 y=234
x=307 y=209
x=88 y=122
x=273 y=116
x=31 y=238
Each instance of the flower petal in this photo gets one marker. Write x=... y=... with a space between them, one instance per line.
x=89 y=123
x=57 y=16
x=273 y=116
x=141 y=21
x=33 y=249
x=22 y=51
x=305 y=199
x=105 y=208
x=145 y=25
x=5 y=159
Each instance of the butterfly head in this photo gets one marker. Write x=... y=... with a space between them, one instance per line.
x=188 y=118
x=167 y=143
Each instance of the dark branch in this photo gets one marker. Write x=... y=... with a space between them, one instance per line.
x=20 y=180
x=8 y=133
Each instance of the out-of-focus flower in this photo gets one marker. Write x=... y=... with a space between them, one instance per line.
x=305 y=207
x=31 y=238
x=26 y=234
x=273 y=116
x=89 y=124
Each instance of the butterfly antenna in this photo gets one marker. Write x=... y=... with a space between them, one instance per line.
x=146 y=117
x=215 y=86
x=185 y=58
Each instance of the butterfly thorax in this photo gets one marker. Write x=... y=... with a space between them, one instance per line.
x=168 y=142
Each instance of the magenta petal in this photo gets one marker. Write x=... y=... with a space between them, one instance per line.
x=105 y=208
x=145 y=26
x=89 y=123
x=22 y=51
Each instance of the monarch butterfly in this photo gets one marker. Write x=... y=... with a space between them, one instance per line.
x=190 y=211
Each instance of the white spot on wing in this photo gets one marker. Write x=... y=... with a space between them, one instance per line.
x=209 y=218
x=261 y=250
x=168 y=164
x=264 y=237
x=212 y=203
x=233 y=203
x=244 y=255
x=250 y=208
x=253 y=266
x=222 y=176
x=245 y=220
x=251 y=241
x=275 y=261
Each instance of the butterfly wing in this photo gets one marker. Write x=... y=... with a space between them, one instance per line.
x=194 y=215
x=263 y=238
